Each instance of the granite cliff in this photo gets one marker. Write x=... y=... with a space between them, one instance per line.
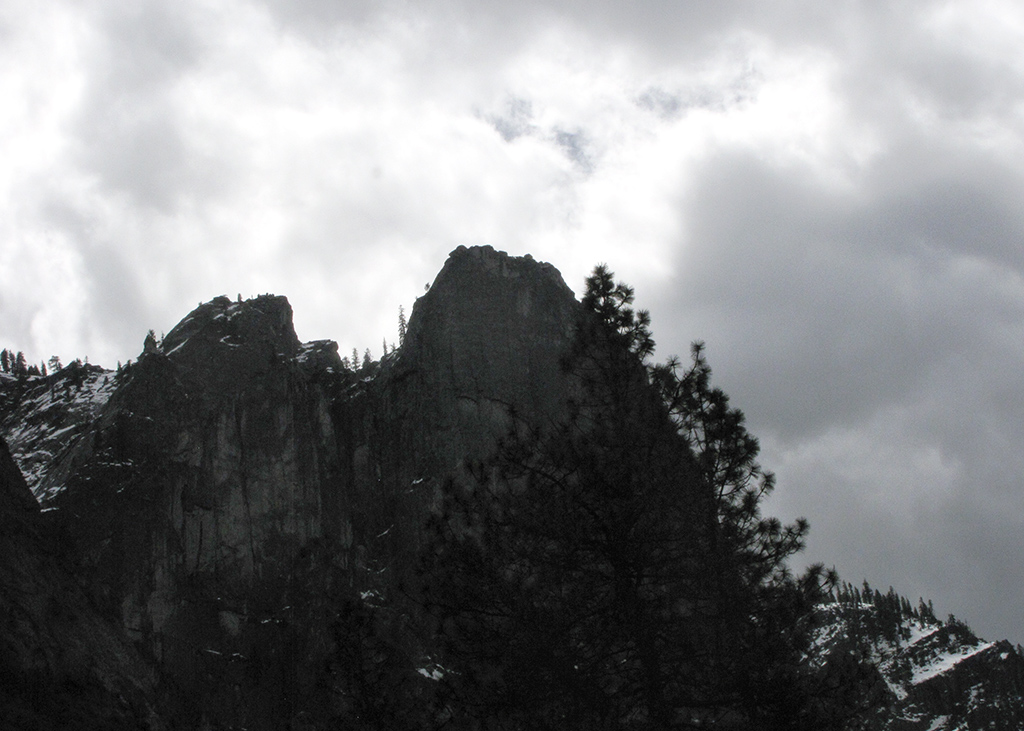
x=232 y=467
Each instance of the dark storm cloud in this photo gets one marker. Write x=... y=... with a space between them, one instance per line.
x=860 y=294
x=964 y=209
x=875 y=328
x=778 y=274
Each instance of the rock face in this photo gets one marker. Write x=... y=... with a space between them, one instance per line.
x=485 y=341
x=232 y=469
x=16 y=500
x=214 y=463
x=482 y=352
x=63 y=664
x=220 y=447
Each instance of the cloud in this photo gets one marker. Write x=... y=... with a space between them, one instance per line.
x=873 y=337
x=828 y=195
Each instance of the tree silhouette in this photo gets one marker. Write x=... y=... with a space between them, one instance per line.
x=614 y=571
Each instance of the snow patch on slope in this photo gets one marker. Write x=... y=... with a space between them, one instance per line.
x=946 y=661
x=51 y=413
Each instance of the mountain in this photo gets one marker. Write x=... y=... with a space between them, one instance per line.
x=928 y=674
x=232 y=521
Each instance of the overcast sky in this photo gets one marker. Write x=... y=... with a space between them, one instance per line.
x=831 y=195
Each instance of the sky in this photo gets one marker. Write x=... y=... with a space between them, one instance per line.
x=829 y=195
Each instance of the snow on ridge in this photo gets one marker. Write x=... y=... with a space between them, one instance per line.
x=920 y=631
x=919 y=652
x=98 y=392
x=176 y=348
x=51 y=415
x=306 y=350
x=946 y=661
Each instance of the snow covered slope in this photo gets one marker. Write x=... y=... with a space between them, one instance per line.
x=42 y=416
x=938 y=676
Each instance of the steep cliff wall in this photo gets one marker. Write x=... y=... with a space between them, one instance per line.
x=485 y=341
x=63 y=664
x=483 y=351
x=221 y=451
x=233 y=469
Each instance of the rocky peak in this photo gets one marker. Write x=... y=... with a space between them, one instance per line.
x=225 y=335
x=475 y=265
x=484 y=342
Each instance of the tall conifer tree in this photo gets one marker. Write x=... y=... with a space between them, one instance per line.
x=614 y=571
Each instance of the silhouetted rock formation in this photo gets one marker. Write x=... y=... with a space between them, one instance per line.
x=227 y=497
x=228 y=450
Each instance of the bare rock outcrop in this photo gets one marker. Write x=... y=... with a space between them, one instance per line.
x=212 y=467
x=484 y=346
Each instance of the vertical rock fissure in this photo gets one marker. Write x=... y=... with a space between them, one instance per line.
x=243 y=481
x=199 y=547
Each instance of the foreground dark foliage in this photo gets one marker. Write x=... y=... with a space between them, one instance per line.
x=614 y=570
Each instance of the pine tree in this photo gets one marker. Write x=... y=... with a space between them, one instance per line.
x=759 y=613
x=614 y=570
x=401 y=326
x=5 y=361
x=20 y=365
